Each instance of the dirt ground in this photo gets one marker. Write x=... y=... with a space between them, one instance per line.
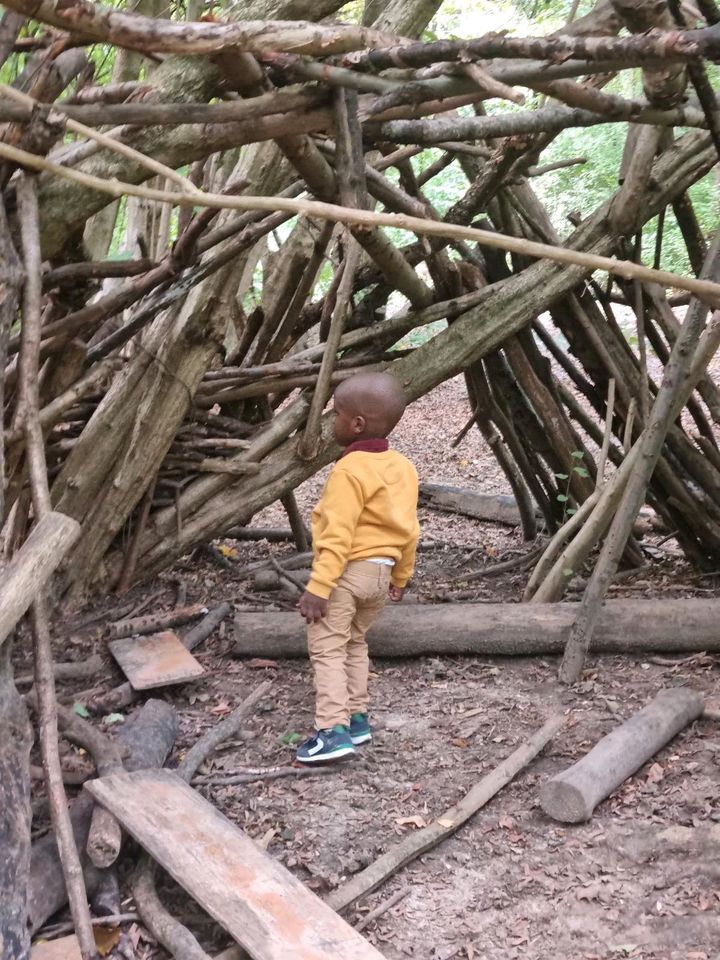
x=511 y=883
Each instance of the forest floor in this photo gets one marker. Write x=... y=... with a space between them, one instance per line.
x=511 y=883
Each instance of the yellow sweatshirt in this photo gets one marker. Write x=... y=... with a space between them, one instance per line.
x=368 y=509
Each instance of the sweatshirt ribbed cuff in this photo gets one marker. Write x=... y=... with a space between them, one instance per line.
x=319 y=589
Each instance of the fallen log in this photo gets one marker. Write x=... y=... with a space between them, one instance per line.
x=31 y=568
x=572 y=795
x=149 y=737
x=493 y=507
x=499 y=629
x=417 y=843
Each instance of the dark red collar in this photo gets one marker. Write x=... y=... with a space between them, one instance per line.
x=380 y=445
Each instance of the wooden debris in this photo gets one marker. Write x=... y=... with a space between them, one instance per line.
x=572 y=795
x=269 y=912
x=157 y=660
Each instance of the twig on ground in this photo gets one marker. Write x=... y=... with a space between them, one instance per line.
x=383 y=908
x=261 y=773
x=415 y=844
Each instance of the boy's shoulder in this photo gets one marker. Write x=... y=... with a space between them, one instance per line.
x=356 y=462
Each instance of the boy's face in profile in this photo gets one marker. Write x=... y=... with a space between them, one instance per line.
x=347 y=426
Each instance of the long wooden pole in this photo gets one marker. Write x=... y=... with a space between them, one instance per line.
x=704 y=290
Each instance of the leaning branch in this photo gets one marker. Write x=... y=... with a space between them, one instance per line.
x=703 y=290
x=153 y=35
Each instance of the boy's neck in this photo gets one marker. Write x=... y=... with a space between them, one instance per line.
x=372 y=445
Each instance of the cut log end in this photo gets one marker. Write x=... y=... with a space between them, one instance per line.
x=564 y=802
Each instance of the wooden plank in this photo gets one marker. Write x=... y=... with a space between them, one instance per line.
x=156 y=660
x=32 y=566
x=260 y=903
x=66 y=948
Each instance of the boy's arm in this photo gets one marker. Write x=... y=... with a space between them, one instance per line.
x=403 y=569
x=339 y=511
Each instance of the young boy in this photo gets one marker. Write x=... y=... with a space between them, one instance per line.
x=365 y=533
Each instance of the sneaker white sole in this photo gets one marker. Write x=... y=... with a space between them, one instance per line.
x=328 y=757
x=363 y=738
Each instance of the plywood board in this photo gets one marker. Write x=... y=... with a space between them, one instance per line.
x=156 y=660
x=66 y=948
x=261 y=904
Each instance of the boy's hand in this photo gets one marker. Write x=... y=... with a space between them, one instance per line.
x=312 y=608
x=396 y=593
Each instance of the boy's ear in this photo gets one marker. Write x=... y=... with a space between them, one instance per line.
x=358 y=424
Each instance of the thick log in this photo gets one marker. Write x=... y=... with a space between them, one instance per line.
x=495 y=507
x=497 y=629
x=149 y=738
x=32 y=567
x=572 y=795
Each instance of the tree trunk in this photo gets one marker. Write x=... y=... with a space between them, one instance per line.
x=572 y=796
x=496 y=629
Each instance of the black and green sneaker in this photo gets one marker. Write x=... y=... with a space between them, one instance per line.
x=326 y=746
x=360 y=729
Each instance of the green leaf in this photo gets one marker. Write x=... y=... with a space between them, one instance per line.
x=114 y=718
x=561 y=476
x=561 y=497
x=568 y=571
x=577 y=454
x=570 y=511
x=290 y=738
x=581 y=471
x=80 y=710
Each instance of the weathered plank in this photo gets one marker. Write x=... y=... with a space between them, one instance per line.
x=32 y=566
x=66 y=948
x=156 y=660
x=263 y=906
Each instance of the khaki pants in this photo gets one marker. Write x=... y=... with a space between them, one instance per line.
x=337 y=646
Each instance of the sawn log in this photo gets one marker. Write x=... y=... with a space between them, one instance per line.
x=499 y=629
x=572 y=795
x=493 y=507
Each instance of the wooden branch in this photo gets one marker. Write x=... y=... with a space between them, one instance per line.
x=680 y=45
x=10 y=287
x=28 y=366
x=153 y=35
x=31 y=568
x=298 y=530
x=48 y=737
x=704 y=290
x=546 y=120
x=110 y=143
x=669 y=401
x=10 y=26
x=139 y=113
x=572 y=795
x=308 y=446
x=607 y=435
x=173 y=935
x=420 y=841
x=226 y=730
